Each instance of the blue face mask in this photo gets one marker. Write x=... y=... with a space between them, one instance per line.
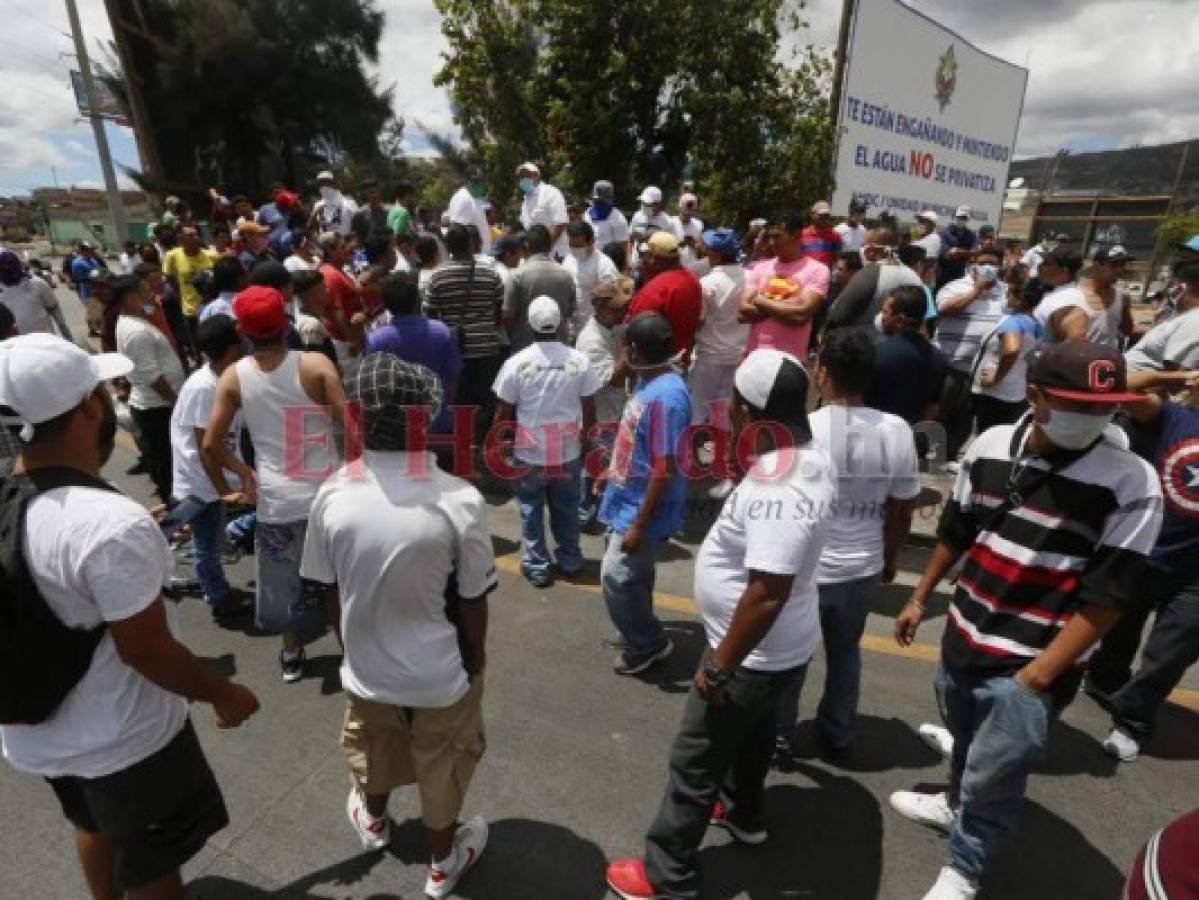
x=600 y=210
x=526 y=186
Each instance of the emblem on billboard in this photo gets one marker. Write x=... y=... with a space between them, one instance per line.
x=947 y=77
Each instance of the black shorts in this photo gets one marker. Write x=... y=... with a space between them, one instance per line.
x=158 y=813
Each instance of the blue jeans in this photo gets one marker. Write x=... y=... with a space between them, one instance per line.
x=844 y=606
x=628 y=582
x=207 y=521
x=588 y=500
x=1000 y=730
x=560 y=491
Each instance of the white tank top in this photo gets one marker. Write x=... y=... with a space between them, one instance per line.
x=293 y=440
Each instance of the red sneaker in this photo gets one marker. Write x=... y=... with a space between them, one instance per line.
x=745 y=833
x=627 y=879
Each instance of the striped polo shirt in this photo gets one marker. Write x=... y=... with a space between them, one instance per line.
x=458 y=299
x=959 y=336
x=1082 y=535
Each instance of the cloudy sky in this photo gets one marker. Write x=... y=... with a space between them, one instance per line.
x=1103 y=74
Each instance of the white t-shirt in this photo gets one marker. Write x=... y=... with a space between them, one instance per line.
x=193 y=410
x=612 y=230
x=336 y=216
x=389 y=532
x=587 y=274
x=1061 y=297
x=682 y=230
x=1032 y=258
x=546 y=206
x=643 y=226
x=853 y=237
x=464 y=209
x=721 y=338
x=97 y=556
x=296 y=263
x=772 y=523
x=31 y=301
x=153 y=357
x=874 y=454
x=546 y=382
x=601 y=346
x=931 y=243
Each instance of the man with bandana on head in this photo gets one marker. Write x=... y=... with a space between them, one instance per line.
x=386 y=534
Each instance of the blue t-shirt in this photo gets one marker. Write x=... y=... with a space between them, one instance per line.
x=81 y=273
x=425 y=342
x=653 y=426
x=1176 y=457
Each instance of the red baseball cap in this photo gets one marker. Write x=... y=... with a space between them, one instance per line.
x=260 y=312
x=285 y=199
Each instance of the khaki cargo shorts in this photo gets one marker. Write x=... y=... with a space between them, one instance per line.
x=436 y=749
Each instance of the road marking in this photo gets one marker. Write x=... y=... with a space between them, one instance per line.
x=875 y=643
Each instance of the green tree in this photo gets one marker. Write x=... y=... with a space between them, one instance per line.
x=1177 y=227
x=245 y=92
x=637 y=92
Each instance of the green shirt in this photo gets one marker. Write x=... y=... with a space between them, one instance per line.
x=399 y=220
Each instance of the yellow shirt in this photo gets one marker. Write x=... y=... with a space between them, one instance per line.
x=184 y=268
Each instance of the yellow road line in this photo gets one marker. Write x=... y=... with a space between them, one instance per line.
x=875 y=643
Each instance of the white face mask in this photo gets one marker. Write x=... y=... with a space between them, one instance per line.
x=1073 y=430
x=149 y=309
x=582 y=254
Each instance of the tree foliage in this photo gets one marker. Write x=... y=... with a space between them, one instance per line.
x=640 y=93
x=244 y=92
x=1177 y=227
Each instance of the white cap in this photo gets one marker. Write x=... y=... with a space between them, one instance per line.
x=962 y=211
x=651 y=195
x=325 y=176
x=820 y=208
x=771 y=380
x=544 y=315
x=42 y=376
x=928 y=215
x=528 y=167
x=689 y=202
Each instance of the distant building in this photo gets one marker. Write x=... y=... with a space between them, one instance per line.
x=1104 y=198
x=77 y=214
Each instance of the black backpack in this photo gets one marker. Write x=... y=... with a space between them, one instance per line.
x=41 y=659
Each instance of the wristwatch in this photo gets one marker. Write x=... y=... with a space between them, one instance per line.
x=715 y=676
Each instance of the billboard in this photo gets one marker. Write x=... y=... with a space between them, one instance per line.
x=110 y=106
x=927 y=121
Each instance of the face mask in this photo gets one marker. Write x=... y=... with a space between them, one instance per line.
x=986 y=273
x=647 y=210
x=1073 y=430
x=582 y=254
x=527 y=185
x=149 y=309
x=600 y=210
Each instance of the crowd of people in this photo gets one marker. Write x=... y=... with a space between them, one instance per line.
x=330 y=378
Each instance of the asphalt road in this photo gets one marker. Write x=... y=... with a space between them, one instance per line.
x=576 y=762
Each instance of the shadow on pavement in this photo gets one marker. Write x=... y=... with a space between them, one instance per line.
x=675 y=673
x=524 y=859
x=1046 y=856
x=1074 y=752
x=825 y=842
x=225 y=664
x=881 y=745
x=328 y=669
x=1177 y=734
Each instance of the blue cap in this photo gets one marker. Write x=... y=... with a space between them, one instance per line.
x=723 y=240
x=1191 y=244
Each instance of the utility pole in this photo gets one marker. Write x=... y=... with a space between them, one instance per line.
x=115 y=206
x=847 y=11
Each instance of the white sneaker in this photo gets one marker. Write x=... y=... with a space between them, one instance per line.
x=952 y=885
x=375 y=834
x=936 y=737
x=468 y=847
x=931 y=810
x=721 y=489
x=1122 y=745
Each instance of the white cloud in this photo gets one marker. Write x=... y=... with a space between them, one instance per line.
x=1104 y=73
